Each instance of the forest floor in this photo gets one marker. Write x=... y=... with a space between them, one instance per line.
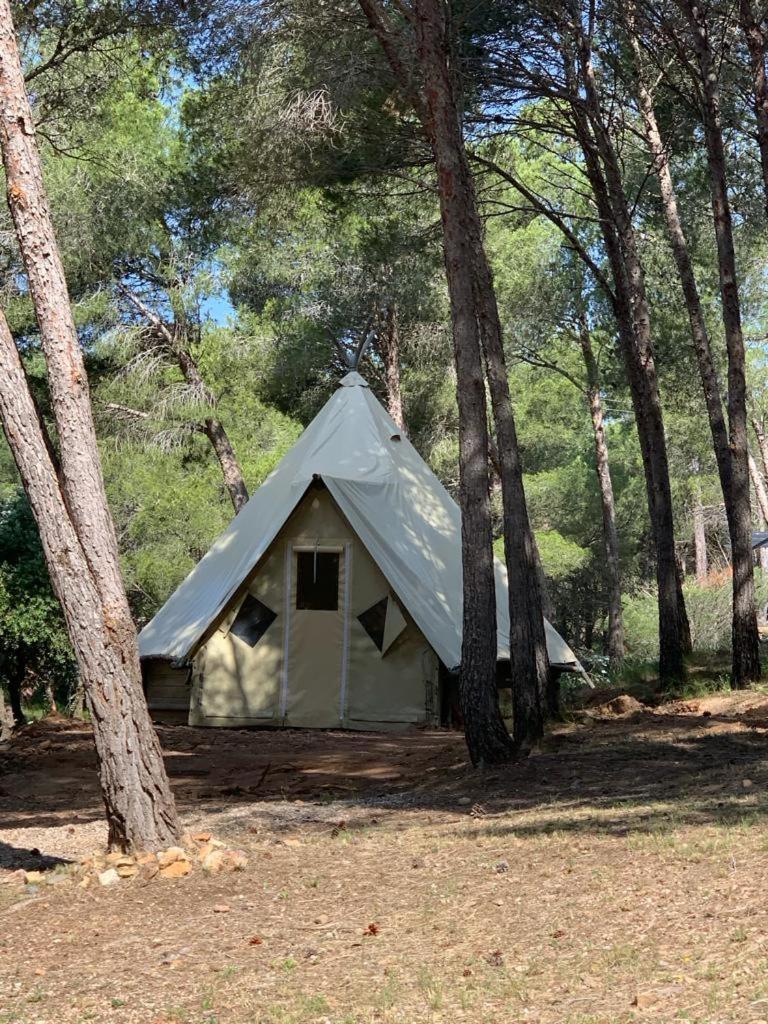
x=618 y=875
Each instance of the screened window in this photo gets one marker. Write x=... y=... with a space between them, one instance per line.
x=317 y=580
x=252 y=621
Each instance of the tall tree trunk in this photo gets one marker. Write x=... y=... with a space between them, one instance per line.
x=6 y=726
x=633 y=323
x=761 y=494
x=615 y=643
x=16 y=668
x=76 y=520
x=139 y=803
x=700 y=540
x=389 y=347
x=487 y=738
x=754 y=36
x=742 y=613
x=762 y=443
x=527 y=643
x=746 y=652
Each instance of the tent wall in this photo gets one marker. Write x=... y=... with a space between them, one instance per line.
x=315 y=668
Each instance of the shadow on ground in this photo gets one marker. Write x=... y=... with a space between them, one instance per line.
x=644 y=772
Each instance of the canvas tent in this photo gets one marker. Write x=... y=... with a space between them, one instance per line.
x=333 y=599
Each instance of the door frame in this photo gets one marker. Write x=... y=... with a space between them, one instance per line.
x=343 y=548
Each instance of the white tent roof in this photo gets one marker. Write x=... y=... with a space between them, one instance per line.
x=401 y=512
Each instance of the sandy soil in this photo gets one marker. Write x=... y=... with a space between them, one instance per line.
x=615 y=876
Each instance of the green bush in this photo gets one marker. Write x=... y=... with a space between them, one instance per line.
x=709 y=613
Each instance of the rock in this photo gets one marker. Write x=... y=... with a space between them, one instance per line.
x=34 y=877
x=148 y=870
x=204 y=850
x=213 y=861
x=127 y=870
x=293 y=843
x=176 y=869
x=109 y=877
x=170 y=856
x=234 y=860
x=201 y=837
x=146 y=858
x=224 y=861
x=15 y=878
x=747 y=783
x=221 y=908
x=464 y=801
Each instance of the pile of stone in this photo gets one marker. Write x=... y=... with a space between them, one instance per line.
x=200 y=851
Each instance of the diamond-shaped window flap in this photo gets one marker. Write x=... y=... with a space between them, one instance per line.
x=394 y=625
x=373 y=621
x=252 y=621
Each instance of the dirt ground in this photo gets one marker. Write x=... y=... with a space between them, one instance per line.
x=618 y=875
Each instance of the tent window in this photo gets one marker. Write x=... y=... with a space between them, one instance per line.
x=373 y=620
x=317 y=580
x=252 y=621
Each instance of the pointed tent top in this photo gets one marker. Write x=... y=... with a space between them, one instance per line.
x=396 y=506
x=353 y=380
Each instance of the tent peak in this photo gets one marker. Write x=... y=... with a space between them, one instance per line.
x=353 y=380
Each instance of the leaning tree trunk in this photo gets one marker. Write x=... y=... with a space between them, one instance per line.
x=389 y=347
x=76 y=519
x=746 y=651
x=487 y=737
x=615 y=643
x=742 y=613
x=139 y=803
x=754 y=37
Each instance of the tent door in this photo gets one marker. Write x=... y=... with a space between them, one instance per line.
x=313 y=690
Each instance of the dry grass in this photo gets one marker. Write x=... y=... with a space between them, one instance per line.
x=616 y=876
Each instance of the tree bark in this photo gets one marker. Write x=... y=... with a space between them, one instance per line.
x=742 y=613
x=6 y=727
x=700 y=541
x=633 y=323
x=762 y=443
x=615 y=640
x=15 y=665
x=75 y=524
x=760 y=491
x=746 y=652
x=139 y=803
x=487 y=738
x=755 y=40
x=761 y=494
x=389 y=346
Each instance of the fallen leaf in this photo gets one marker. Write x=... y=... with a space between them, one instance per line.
x=255 y=941
x=372 y=929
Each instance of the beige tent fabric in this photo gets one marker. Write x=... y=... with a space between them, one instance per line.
x=397 y=507
x=313 y=668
